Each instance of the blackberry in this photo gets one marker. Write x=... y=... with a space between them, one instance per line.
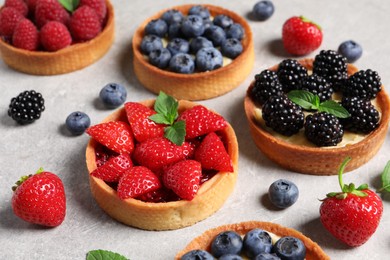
x=290 y=73
x=364 y=116
x=323 y=129
x=364 y=83
x=318 y=86
x=332 y=66
x=26 y=107
x=282 y=115
x=266 y=84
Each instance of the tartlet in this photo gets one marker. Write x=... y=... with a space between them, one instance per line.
x=201 y=85
x=317 y=160
x=165 y=215
x=71 y=58
x=203 y=242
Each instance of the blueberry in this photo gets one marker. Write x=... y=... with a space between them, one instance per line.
x=263 y=10
x=208 y=59
x=201 y=11
x=230 y=257
x=197 y=255
x=156 y=27
x=290 y=248
x=193 y=26
x=178 y=45
x=283 y=193
x=223 y=21
x=77 y=122
x=215 y=34
x=182 y=63
x=231 y=48
x=228 y=242
x=199 y=43
x=174 y=31
x=235 y=31
x=160 y=58
x=172 y=16
x=350 y=50
x=150 y=43
x=113 y=95
x=257 y=241
x=266 y=256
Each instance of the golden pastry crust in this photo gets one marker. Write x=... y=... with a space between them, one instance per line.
x=71 y=58
x=313 y=250
x=169 y=215
x=201 y=85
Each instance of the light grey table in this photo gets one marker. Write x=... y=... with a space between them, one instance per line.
x=46 y=143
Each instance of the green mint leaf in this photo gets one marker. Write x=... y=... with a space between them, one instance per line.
x=167 y=106
x=176 y=133
x=159 y=119
x=104 y=255
x=69 y=5
x=303 y=98
x=334 y=108
x=385 y=176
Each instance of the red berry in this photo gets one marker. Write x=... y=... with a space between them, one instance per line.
x=19 y=5
x=114 y=168
x=9 y=18
x=26 y=36
x=301 y=36
x=31 y=4
x=98 y=5
x=40 y=199
x=50 y=10
x=54 y=36
x=84 y=24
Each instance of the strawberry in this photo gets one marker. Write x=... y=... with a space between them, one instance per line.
x=143 y=128
x=183 y=178
x=352 y=215
x=199 y=121
x=9 y=18
x=50 y=10
x=54 y=36
x=136 y=181
x=98 y=5
x=19 y=5
x=212 y=154
x=84 y=24
x=26 y=36
x=114 y=168
x=116 y=136
x=160 y=195
x=40 y=199
x=301 y=36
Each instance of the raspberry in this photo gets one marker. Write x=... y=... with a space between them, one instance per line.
x=98 y=5
x=49 y=10
x=19 y=5
x=26 y=36
x=290 y=73
x=266 y=85
x=9 y=18
x=323 y=129
x=31 y=4
x=55 y=36
x=84 y=24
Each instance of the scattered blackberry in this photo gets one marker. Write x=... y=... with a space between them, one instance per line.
x=332 y=66
x=364 y=83
x=364 y=116
x=290 y=73
x=318 y=86
x=323 y=129
x=266 y=84
x=26 y=107
x=282 y=115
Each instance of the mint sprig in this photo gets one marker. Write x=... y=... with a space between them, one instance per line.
x=310 y=101
x=104 y=255
x=385 y=176
x=69 y=5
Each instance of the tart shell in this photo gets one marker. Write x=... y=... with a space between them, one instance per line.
x=71 y=58
x=200 y=85
x=203 y=242
x=165 y=215
x=317 y=160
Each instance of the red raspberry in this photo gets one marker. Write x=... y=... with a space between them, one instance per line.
x=84 y=24
x=19 y=5
x=31 y=4
x=9 y=18
x=50 y=10
x=26 y=36
x=54 y=36
x=98 y=5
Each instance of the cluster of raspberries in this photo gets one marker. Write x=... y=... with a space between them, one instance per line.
x=45 y=25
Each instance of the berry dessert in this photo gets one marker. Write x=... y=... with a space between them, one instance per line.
x=193 y=52
x=46 y=37
x=162 y=164
x=306 y=115
x=247 y=240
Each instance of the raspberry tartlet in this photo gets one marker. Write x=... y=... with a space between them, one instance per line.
x=197 y=85
x=144 y=211
x=71 y=58
x=305 y=157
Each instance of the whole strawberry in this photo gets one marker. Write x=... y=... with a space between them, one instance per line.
x=353 y=214
x=40 y=199
x=301 y=36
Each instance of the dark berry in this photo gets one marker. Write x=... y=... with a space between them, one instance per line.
x=113 y=95
x=208 y=59
x=223 y=21
x=172 y=16
x=230 y=257
x=318 y=86
x=26 y=107
x=323 y=129
x=77 y=122
x=228 y=242
x=174 y=31
x=263 y=10
x=350 y=50
x=193 y=26
x=150 y=43
x=257 y=241
x=283 y=193
x=290 y=73
x=178 y=45
x=266 y=85
x=156 y=27
x=198 y=43
x=231 y=48
x=182 y=63
x=235 y=31
x=364 y=84
x=215 y=34
x=197 y=255
x=201 y=11
x=290 y=248
x=267 y=256
x=282 y=115
x=160 y=58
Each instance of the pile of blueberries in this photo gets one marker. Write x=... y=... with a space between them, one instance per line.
x=196 y=43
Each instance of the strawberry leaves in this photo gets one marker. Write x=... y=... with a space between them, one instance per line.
x=69 y=5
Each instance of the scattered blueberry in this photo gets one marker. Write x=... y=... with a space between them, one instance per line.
x=77 y=122
x=263 y=10
x=160 y=58
x=197 y=255
x=178 y=45
x=182 y=63
x=215 y=34
x=174 y=31
x=172 y=16
x=113 y=95
x=235 y=31
x=266 y=256
x=350 y=50
x=156 y=27
x=199 y=43
x=231 y=48
x=193 y=26
x=257 y=241
x=201 y=11
x=150 y=43
x=208 y=59
x=283 y=193
x=223 y=21
x=230 y=257
x=228 y=242
x=290 y=248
